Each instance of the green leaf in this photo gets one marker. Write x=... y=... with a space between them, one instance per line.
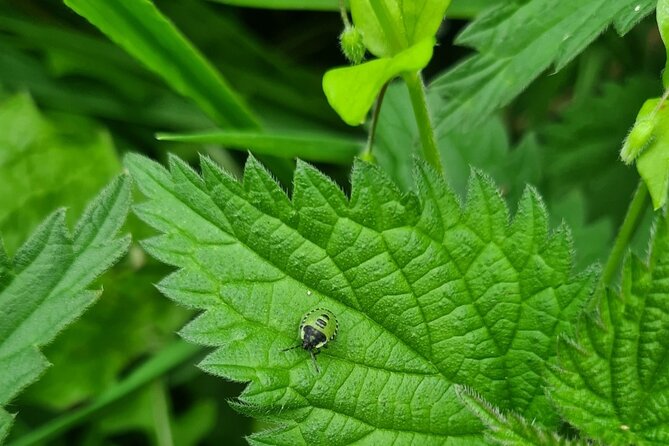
x=318 y=147
x=351 y=91
x=509 y=60
x=389 y=27
x=48 y=288
x=427 y=294
x=663 y=25
x=612 y=380
x=140 y=28
x=510 y=429
x=44 y=162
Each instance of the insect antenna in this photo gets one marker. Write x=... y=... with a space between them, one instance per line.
x=291 y=348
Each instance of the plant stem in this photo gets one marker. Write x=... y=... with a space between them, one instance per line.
x=632 y=219
x=419 y=102
x=367 y=154
x=161 y=414
x=344 y=14
x=166 y=360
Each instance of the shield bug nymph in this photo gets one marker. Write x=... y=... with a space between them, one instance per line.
x=318 y=327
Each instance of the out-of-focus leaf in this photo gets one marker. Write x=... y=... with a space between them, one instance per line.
x=553 y=32
x=139 y=28
x=319 y=147
x=45 y=164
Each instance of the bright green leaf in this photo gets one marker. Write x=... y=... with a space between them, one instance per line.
x=612 y=381
x=553 y=32
x=662 y=15
x=140 y=28
x=510 y=429
x=318 y=147
x=391 y=26
x=427 y=294
x=351 y=91
x=47 y=287
x=44 y=163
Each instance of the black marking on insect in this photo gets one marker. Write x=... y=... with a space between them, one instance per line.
x=318 y=327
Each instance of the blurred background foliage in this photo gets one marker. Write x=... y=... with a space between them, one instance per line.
x=72 y=103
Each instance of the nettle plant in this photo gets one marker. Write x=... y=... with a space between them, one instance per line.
x=459 y=322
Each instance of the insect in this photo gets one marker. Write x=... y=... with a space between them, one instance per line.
x=318 y=327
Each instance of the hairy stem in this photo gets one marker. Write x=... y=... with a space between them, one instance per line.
x=344 y=14
x=419 y=102
x=632 y=219
x=166 y=360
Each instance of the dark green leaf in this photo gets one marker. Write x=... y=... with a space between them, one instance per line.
x=139 y=28
x=427 y=295
x=612 y=380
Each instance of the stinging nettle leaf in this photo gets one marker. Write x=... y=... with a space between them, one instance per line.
x=509 y=60
x=46 y=288
x=510 y=429
x=612 y=380
x=427 y=294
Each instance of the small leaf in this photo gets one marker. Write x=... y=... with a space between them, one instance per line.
x=389 y=27
x=612 y=380
x=48 y=287
x=427 y=294
x=351 y=91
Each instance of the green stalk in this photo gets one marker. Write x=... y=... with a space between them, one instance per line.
x=419 y=102
x=166 y=360
x=367 y=153
x=632 y=219
x=161 y=414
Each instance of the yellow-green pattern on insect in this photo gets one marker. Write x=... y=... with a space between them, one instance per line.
x=318 y=327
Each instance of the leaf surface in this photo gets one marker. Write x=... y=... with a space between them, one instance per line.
x=612 y=380
x=553 y=33
x=45 y=286
x=427 y=294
